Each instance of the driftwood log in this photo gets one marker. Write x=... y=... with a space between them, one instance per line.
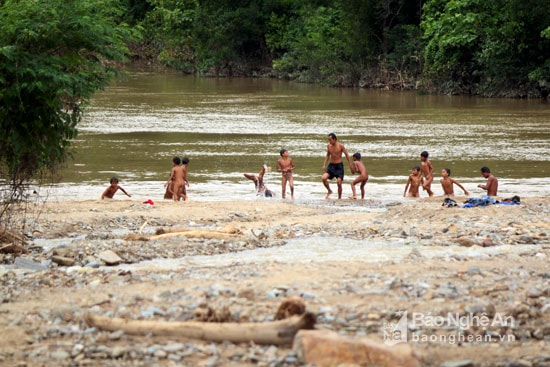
x=228 y=232
x=215 y=235
x=275 y=332
x=325 y=348
x=226 y=229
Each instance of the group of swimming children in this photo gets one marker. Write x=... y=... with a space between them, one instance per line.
x=421 y=176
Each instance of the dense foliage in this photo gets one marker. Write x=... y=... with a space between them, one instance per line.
x=54 y=54
x=499 y=47
x=486 y=47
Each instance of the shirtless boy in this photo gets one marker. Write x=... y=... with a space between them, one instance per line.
x=169 y=193
x=492 y=183
x=261 y=188
x=177 y=179
x=447 y=183
x=184 y=165
x=362 y=178
x=112 y=189
x=335 y=168
x=428 y=172
x=414 y=182
x=285 y=165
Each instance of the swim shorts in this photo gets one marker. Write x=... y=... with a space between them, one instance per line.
x=335 y=170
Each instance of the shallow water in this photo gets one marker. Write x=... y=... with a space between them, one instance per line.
x=231 y=126
x=323 y=249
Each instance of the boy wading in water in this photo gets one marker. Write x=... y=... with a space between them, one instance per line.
x=335 y=167
x=362 y=178
x=169 y=193
x=184 y=165
x=285 y=165
x=414 y=182
x=428 y=172
x=112 y=189
x=447 y=183
x=261 y=188
x=177 y=179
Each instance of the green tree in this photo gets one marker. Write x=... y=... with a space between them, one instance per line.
x=341 y=42
x=167 y=37
x=54 y=54
x=486 y=47
x=313 y=43
x=229 y=36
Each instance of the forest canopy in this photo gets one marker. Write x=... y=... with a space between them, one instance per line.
x=478 y=47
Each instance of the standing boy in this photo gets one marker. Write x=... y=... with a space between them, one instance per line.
x=285 y=165
x=335 y=168
x=169 y=193
x=176 y=179
x=112 y=189
x=362 y=178
x=447 y=183
x=492 y=183
x=184 y=166
x=414 y=182
x=428 y=172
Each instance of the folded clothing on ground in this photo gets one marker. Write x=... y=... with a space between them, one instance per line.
x=482 y=201
x=487 y=200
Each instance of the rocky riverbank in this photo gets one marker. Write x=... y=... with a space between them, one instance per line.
x=236 y=261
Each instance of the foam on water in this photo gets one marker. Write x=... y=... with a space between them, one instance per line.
x=221 y=190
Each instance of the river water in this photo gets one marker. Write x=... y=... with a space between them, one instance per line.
x=231 y=126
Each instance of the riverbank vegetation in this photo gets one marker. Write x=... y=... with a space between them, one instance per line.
x=54 y=55
x=499 y=48
x=476 y=47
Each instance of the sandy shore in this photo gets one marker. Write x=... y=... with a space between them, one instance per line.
x=355 y=263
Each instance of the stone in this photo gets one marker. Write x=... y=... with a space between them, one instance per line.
x=27 y=264
x=63 y=261
x=109 y=257
x=527 y=239
x=516 y=364
x=463 y=241
x=533 y=292
x=60 y=355
x=64 y=252
x=325 y=348
x=92 y=264
x=463 y=363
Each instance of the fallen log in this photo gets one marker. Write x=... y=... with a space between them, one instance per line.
x=273 y=333
x=227 y=229
x=325 y=348
x=217 y=235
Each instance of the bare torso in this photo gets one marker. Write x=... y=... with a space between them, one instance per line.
x=447 y=186
x=416 y=181
x=335 y=151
